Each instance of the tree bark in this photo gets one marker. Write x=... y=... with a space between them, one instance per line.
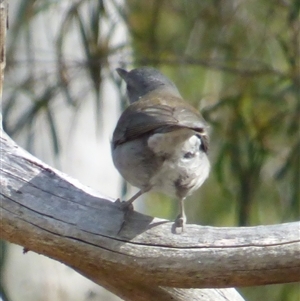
x=135 y=256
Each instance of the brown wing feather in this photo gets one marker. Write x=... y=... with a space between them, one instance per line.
x=155 y=113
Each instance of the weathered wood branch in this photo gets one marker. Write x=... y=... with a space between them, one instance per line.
x=47 y=212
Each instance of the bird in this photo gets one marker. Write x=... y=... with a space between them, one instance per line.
x=160 y=142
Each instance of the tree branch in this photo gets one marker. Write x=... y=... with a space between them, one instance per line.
x=47 y=212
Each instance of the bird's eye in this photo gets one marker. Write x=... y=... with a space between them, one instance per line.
x=189 y=155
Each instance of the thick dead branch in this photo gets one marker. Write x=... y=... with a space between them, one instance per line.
x=47 y=212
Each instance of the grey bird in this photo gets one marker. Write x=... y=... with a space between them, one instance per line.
x=160 y=142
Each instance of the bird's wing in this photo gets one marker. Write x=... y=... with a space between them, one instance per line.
x=156 y=113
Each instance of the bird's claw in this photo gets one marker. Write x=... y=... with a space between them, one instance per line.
x=124 y=206
x=180 y=222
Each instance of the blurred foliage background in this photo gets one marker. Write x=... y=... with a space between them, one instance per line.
x=237 y=61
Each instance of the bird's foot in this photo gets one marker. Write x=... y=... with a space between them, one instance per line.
x=180 y=222
x=124 y=205
x=127 y=208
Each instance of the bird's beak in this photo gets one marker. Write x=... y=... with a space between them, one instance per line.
x=123 y=73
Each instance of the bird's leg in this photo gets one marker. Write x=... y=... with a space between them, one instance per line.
x=181 y=218
x=127 y=205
